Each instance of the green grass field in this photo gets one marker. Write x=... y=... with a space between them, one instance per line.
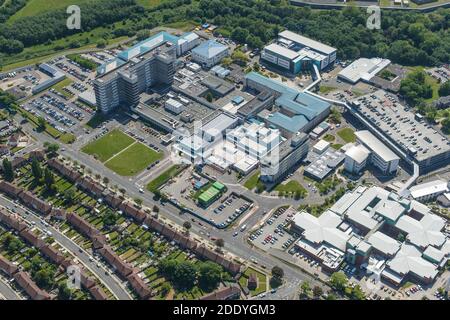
x=252 y=182
x=108 y=145
x=34 y=7
x=133 y=160
x=347 y=134
x=291 y=187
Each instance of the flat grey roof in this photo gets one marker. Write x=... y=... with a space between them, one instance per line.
x=372 y=142
x=307 y=42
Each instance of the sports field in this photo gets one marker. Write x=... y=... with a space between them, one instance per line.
x=121 y=153
x=133 y=159
x=108 y=145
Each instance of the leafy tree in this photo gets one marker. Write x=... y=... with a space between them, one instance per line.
x=105 y=180
x=305 y=288
x=185 y=275
x=335 y=116
x=210 y=275
x=138 y=201
x=42 y=124
x=317 y=291
x=110 y=218
x=51 y=149
x=69 y=196
x=8 y=171
x=338 y=280
x=64 y=293
x=357 y=293
x=277 y=272
x=142 y=34
x=36 y=169
x=444 y=89
x=415 y=88
x=187 y=226
x=49 y=178
x=165 y=289
x=44 y=278
x=209 y=97
x=220 y=243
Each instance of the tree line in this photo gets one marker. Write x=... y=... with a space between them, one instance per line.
x=409 y=38
x=49 y=26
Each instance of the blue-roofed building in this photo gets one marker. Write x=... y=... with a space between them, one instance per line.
x=297 y=111
x=237 y=100
x=210 y=53
x=184 y=43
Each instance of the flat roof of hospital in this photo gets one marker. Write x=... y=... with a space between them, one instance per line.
x=374 y=144
x=307 y=42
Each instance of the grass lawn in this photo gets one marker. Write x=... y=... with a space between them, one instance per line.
x=149 y=3
x=252 y=182
x=336 y=146
x=133 y=160
x=326 y=89
x=329 y=137
x=347 y=134
x=292 y=187
x=108 y=145
x=262 y=284
x=34 y=7
x=60 y=85
x=156 y=183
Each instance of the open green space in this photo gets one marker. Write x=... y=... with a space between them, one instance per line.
x=34 y=7
x=347 y=134
x=292 y=186
x=262 y=284
x=329 y=137
x=84 y=62
x=133 y=160
x=108 y=145
x=164 y=177
x=253 y=181
x=326 y=89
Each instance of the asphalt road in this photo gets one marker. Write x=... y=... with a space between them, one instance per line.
x=237 y=246
x=109 y=280
x=6 y=292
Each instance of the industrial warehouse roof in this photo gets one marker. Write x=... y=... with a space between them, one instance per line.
x=428 y=188
x=322 y=229
x=363 y=69
x=384 y=243
x=307 y=42
x=209 y=49
x=375 y=145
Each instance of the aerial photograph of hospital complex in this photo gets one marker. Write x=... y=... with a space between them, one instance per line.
x=224 y=150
